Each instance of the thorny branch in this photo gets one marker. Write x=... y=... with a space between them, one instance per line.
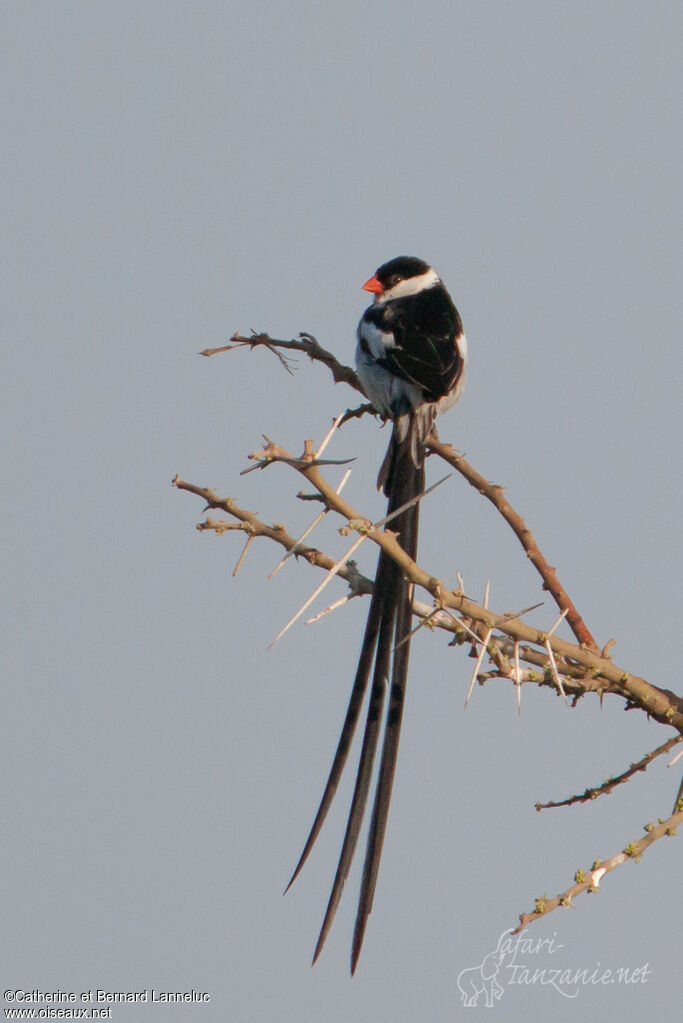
x=592 y=670
x=611 y=783
x=504 y=639
x=494 y=492
x=589 y=880
x=250 y=524
x=306 y=344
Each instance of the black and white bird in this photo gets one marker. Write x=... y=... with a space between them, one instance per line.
x=410 y=359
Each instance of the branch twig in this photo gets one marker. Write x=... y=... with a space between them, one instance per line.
x=494 y=493
x=306 y=343
x=589 y=881
x=661 y=704
x=611 y=783
x=504 y=639
x=250 y=523
x=344 y=374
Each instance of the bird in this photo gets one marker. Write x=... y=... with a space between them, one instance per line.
x=411 y=357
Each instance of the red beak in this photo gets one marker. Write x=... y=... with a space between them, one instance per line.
x=372 y=284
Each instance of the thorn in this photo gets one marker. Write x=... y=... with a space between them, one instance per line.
x=354 y=547
x=328 y=610
x=329 y=435
x=553 y=667
x=551 y=655
x=518 y=678
x=480 y=658
x=307 y=532
x=330 y=575
x=246 y=547
x=463 y=624
x=420 y=625
x=290 y=550
x=487 y=590
x=511 y=616
x=561 y=618
x=409 y=504
x=344 y=481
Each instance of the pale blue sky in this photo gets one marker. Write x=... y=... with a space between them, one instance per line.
x=173 y=172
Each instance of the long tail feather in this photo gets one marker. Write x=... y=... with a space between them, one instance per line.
x=349 y=727
x=408 y=480
x=386 y=643
x=368 y=749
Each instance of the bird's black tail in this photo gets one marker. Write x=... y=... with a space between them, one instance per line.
x=385 y=645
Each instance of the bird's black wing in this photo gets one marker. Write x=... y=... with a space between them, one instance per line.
x=425 y=328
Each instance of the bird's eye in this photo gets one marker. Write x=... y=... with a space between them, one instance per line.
x=395 y=279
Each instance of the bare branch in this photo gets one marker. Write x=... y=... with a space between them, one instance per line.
x=249 y=522
x=306 y=343
x=611 y=783
x=596 y=673
x=357 y=413
x=338 y=565
x=503 y=640
x=494 y=493
x=309 y=529
x=661 y=704
x=365 y=532
x=589 y=880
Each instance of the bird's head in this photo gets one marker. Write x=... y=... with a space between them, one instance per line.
x=400 y=277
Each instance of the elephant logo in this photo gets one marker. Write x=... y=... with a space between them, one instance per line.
x=475 y=981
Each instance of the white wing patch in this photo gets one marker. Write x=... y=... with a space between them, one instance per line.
x=388 y=393
x=377 y=340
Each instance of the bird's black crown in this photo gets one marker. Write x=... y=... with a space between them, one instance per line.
x=399 y=268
